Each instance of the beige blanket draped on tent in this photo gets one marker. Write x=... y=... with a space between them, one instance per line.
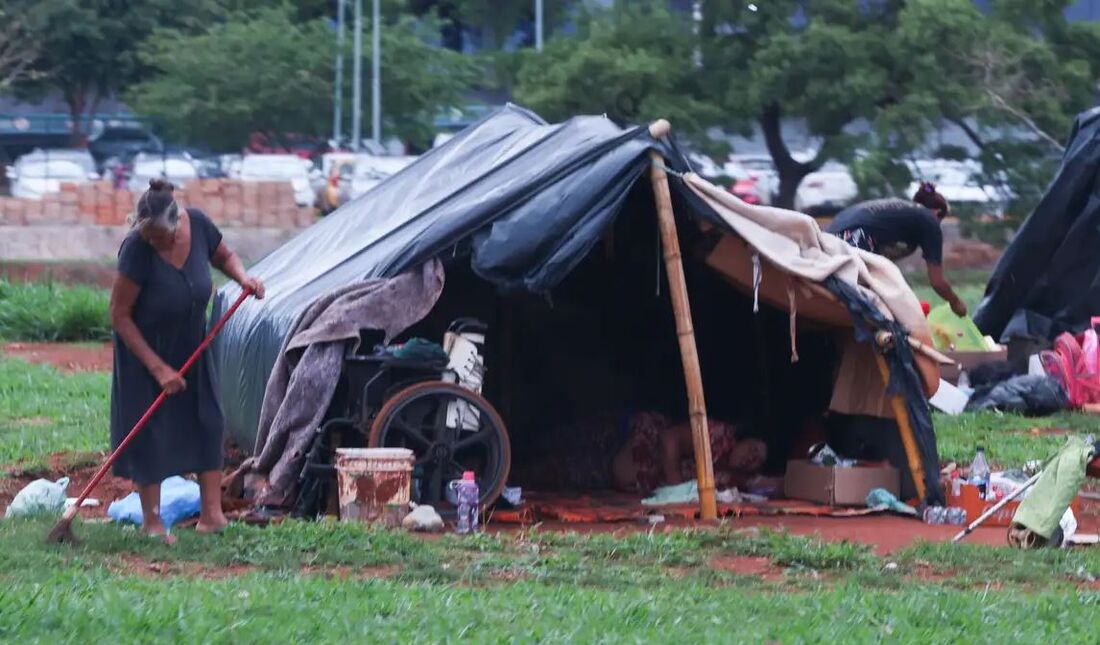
x=794 y=257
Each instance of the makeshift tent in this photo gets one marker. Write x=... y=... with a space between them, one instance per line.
x=1048 y=280
x=523 y=202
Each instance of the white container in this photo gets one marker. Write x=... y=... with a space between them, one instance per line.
x=371 y=481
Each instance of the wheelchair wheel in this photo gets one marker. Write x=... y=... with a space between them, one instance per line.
x=450 y=430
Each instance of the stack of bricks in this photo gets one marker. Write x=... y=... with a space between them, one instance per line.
x=227 y=202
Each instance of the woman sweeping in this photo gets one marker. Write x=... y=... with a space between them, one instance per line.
x=158 y=310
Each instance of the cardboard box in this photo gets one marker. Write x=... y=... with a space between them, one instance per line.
x=968 y=361
x=838 y=486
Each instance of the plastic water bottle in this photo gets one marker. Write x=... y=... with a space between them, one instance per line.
x=979 y=472
x=935 y=515
x=956 y=516
x=467 y=494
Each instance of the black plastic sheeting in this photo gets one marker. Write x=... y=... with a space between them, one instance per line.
x=904 y=379
x=1048 y=280
x=523 y=199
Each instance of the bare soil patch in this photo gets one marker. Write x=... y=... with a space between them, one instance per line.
x=63 y=356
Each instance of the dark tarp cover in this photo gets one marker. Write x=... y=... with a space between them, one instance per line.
x=1048 y=280
x=526 y=200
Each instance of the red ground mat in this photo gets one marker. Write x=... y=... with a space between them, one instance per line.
x=612 y=506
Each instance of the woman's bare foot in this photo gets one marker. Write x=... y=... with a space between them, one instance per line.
x=157 y=530
x=211 y=525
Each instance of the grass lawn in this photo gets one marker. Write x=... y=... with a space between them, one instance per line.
x=328 y=582
x=334 y=582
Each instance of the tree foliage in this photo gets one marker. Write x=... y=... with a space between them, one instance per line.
x=86 y=50
x=633 y=63
x=265 y=71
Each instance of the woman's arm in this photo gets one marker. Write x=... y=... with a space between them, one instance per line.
x=124 y=294
x=230 y=264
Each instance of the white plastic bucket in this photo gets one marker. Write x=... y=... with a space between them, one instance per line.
x=374 y=483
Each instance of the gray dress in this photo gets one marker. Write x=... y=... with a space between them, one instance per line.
x=185 y=434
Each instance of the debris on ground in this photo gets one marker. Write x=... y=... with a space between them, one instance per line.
x=424 y=519
x=40 y=497
x=179 y=500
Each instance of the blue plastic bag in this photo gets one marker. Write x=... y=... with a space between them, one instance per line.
x=179 y=500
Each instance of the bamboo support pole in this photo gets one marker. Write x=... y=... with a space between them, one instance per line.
x=884 y=338
x=689 y=353
x=905 y=429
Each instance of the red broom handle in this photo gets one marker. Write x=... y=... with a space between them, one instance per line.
x=156 y=404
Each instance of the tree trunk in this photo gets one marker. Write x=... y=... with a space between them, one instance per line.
x=76 y=99
x=790 y=171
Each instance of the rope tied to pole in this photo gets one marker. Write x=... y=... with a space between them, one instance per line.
x=670 y=171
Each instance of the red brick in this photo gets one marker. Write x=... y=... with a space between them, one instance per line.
x=51 y=208
x=33 y=211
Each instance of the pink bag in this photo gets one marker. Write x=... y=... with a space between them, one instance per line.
x=1076 y=366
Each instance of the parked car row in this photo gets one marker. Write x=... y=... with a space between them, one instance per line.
x=754 y=179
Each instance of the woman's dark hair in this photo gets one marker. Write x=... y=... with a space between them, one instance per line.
x=157 y=206
x=928 y=197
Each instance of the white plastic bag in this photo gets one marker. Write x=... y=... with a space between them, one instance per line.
x=40 y=496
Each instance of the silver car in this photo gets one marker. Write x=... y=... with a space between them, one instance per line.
x=44 y=170
x=176 y=169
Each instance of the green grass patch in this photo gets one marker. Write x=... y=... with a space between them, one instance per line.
x=1007 y=438
x=43 y=411
x=969 y=284
x=51 y=312
x=525 y=587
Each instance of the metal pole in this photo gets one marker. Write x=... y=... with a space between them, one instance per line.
x=357 y=77
x=338 y=85
x=376 y=74
x=538 y=25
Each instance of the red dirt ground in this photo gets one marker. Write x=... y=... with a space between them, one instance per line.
x=67 y=358
x=884 y=533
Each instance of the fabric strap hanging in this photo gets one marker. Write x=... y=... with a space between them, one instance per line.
x=757 y=277
x=792 y=301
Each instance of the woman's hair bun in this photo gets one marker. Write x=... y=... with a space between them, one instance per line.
x=158 y=184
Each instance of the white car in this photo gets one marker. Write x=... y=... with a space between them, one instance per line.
x=831 y=185
x=289 y=168
x=371 y=171
x=34 y=178
x=178 y=170
x=958 y=181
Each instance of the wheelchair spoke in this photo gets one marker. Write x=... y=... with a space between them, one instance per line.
x=406 y=429
x=478 y=438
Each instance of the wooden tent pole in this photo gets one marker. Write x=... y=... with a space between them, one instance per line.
x=689 y=353
x=905 y=429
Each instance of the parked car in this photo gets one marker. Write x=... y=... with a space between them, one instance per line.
x=742 y=184
x=371 y=171
x=959 y=182
x=35 y=178
x=122 y=141
x=81 y=157
x=177 y=169
x=287 y=168
x=830 y=186
x=761 y=168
